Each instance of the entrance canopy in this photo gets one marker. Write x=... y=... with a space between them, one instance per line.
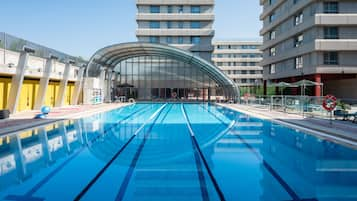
x=113 y=56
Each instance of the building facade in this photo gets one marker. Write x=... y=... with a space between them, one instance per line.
x=311 y=39
x=240 y=60
x=184 y=24
x=32 y=76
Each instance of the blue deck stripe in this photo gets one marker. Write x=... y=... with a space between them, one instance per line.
x=129 y=173
x=286 y=186
x=209 y=171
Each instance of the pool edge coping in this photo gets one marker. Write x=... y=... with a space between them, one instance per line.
x=82 y=114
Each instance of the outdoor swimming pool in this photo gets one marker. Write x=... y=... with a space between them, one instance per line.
x=174 y=152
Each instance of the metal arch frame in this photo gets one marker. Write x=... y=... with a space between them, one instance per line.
x=112 y=55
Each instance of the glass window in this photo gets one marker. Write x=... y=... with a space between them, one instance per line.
x=299 y=18
x=272 y=69
x=298 y=40
x=272 y=51
x=169 y=39
x=299 y=62
x=195 y=25
x=154 y=9
x=331 y=58
x=195 y=40
x=331 y=7
x=180 y=25
x=195 y=9
x=272 y=35
x=331 y=33
x=154 y=39
x=180 y=10
x=180 y=40
x=169 y=9
x=169 y=24
x=271 y=17
x=154 y=25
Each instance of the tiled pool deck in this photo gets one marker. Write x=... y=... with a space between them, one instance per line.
x=340 y=131
x=25 y=120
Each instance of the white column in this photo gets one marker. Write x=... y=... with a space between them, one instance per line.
x=102 y=81
x=40 y=99
x=108 y=90
x=16 y=82
x=63 y=86
x=77 y=87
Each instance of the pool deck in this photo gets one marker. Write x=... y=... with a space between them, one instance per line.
x=340 y=131
x=25 y=120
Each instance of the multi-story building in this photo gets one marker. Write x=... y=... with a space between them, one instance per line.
x=184 y=24
x=311 y=39
x=240 y=61
x=32 y=76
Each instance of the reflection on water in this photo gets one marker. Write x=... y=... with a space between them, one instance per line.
x=310 y=167
x=25 y=153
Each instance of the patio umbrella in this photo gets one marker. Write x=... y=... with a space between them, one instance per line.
x=306 y=83
x=282 y=85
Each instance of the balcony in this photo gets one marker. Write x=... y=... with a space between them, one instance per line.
x=336 y=19
x=174 y=17
x=240 y=59
x=175 y=2
x=336 y=45
x=175 y=32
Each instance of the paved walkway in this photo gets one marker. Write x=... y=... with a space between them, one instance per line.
x=25 y=120
x=340 y=131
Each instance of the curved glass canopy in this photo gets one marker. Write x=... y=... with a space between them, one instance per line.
x=147 y=71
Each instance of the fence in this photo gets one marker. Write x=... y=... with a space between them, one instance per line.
x=303 y=105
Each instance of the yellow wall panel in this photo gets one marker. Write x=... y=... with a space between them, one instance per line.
x=28 y=95
x=5 y=84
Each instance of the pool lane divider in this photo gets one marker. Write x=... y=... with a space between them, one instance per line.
x=281 y=181
x=198 y=149
x=129 y=173
x=100 y=173
x=29 y=195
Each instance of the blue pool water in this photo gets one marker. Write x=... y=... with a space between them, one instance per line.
x=174 y=152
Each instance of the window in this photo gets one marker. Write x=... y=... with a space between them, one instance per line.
x=169 y=24
x=272 y=68
x=154 y=25
x=195 y=9
x=271 y=17
x=180 y=40
x=299 y=18
x=271 y=2
x=272 y=51
x=298 y=40
x=252 y=72
x=244 y=72
x=272 y=35
x=331 y=7
x=168 y=39
x=154 y=9
x=195 y=40
x=331 y=33
x=169 y=9
x=331 y=58
x=299 y=62
x=180 y=10
x=296 y=1
x=195 y=25
x=180 y=25
x=154 y=39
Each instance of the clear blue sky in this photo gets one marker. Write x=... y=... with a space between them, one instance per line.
x=80 y=27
